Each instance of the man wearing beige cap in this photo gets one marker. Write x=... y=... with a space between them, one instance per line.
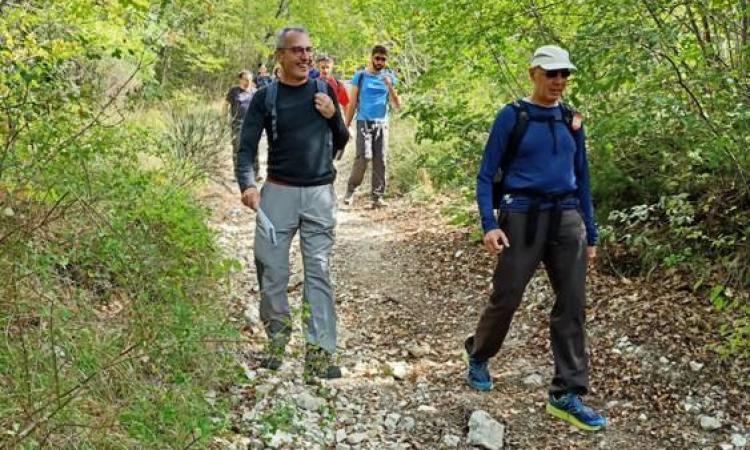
x=535 y=172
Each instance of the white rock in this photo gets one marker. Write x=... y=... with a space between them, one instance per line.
x=307 y=401
x=611 y=404
x=407 y=424
x=419 y=351
x=663 y=360
x=484 y=431
x=533 y=380
x=356 y=438
x=210 y=397
x=725 y=446
x=427 y=409
x=263 y=389
x=391 y=421
x=280 y=439
x=399 y=369
x=8 y=212
x=739 y=440
x=451 y=440
x=643 y=417
x=710 y=423
x=340 y=435
x=691 y=405
x=695 y=366
x=250 y=374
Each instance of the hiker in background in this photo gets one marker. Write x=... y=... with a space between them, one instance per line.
x=371 y=91
x=325 y=65
x=236 y=103
x=304 y=125
x=262 y=78
x=546 y=214
x=314 y=72
x=276 y=71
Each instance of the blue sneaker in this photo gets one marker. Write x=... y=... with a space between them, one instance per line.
x=570 y=408
x=479 y=375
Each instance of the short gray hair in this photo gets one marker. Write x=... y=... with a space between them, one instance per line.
x=281 y=35
x=324 y=58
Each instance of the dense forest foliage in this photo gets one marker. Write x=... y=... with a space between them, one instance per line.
x=110 y=277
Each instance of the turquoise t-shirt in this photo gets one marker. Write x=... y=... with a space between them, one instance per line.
x=373 y=96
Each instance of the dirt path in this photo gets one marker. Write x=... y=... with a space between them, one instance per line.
x=409 y=289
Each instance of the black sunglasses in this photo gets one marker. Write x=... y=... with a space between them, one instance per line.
x=553 y=73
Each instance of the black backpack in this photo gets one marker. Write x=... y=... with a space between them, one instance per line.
x=514 y=141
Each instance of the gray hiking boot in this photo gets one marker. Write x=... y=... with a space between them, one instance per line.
x=379 y=203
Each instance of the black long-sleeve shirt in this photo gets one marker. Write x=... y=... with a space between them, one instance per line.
x=300 y=156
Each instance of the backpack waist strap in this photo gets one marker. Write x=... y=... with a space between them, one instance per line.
x=532 y=217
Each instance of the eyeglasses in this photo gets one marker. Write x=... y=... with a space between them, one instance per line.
x=297 y=50
x=552 y=74
x=380 y=58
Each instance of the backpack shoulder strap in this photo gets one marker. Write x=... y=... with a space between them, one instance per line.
x=321 y=86
x=272 y=89
x=511 y=149
x=360 y=83
x=516 y=135
x=571 y=117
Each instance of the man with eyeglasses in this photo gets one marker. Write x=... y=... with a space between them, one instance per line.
x=537 y=146
x=303 y=124
x=372 y=91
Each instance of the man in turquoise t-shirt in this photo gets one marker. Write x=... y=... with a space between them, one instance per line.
x=372 y=89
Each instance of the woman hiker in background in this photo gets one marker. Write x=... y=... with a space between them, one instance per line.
x=546 y=214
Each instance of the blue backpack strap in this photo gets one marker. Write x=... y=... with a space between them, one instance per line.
x=271 y=91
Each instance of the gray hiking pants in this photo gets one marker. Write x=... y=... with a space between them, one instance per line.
x=565 y=262
x=377 y=150
x=312 y=211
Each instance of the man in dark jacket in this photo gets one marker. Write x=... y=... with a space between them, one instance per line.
x=304 y=125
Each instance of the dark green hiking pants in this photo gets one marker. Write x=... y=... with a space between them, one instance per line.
x=565 y=262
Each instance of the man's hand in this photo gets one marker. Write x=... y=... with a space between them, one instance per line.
x=591 y=254
x=495 y=241
x=251 y=198
x=324 y=105
x=395 y=100
x=388 y=81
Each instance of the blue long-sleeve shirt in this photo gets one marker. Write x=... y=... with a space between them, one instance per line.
x=549 y=159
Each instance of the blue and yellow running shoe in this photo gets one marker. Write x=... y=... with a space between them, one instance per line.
x=570 y=408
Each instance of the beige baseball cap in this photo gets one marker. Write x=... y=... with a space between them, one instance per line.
x=551 y=57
